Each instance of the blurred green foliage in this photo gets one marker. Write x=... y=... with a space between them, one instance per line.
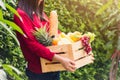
x=97 y=16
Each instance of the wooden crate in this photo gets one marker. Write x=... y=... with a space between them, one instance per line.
x=71 y=51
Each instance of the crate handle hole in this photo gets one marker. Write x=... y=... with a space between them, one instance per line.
x=82 y=57
x=52 y=63
x=79 y=49
x=60 y=53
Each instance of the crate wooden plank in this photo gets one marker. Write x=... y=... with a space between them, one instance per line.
x=51 y=66
x=84 y=61
x=63 y=50
x=76 y=46
x=78 y=50
x=59 y=48
x=79 y=54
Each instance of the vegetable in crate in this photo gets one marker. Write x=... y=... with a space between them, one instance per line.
x=86 y=39
x=53 y=30
x=42 y=36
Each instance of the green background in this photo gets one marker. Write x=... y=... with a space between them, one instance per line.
x=97 y=16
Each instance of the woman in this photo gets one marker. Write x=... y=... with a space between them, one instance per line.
x=32 y=15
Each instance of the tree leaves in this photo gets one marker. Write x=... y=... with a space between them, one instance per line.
x=9 y=30
x=12 y=24
x=12 y=10
x=12 y=71
x=1 y=14
x=2 y=5
x=104 y=7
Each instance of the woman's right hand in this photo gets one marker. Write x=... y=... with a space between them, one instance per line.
x=68 y=64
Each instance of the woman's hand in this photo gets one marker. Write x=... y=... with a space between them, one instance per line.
x=68 y=64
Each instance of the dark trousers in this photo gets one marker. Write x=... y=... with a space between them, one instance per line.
x=43 y=76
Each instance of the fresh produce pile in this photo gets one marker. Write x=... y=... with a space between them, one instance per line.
x=43 y=37
x=52 y=37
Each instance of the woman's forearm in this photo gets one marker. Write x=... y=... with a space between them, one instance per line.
x=58 y=58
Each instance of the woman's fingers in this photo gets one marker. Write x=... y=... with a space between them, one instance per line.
x=72 y=62
x=71 y=66
x=71 y=69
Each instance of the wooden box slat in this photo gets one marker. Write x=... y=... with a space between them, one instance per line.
x=51 y=66
x=84 y=61
x=79 y=54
